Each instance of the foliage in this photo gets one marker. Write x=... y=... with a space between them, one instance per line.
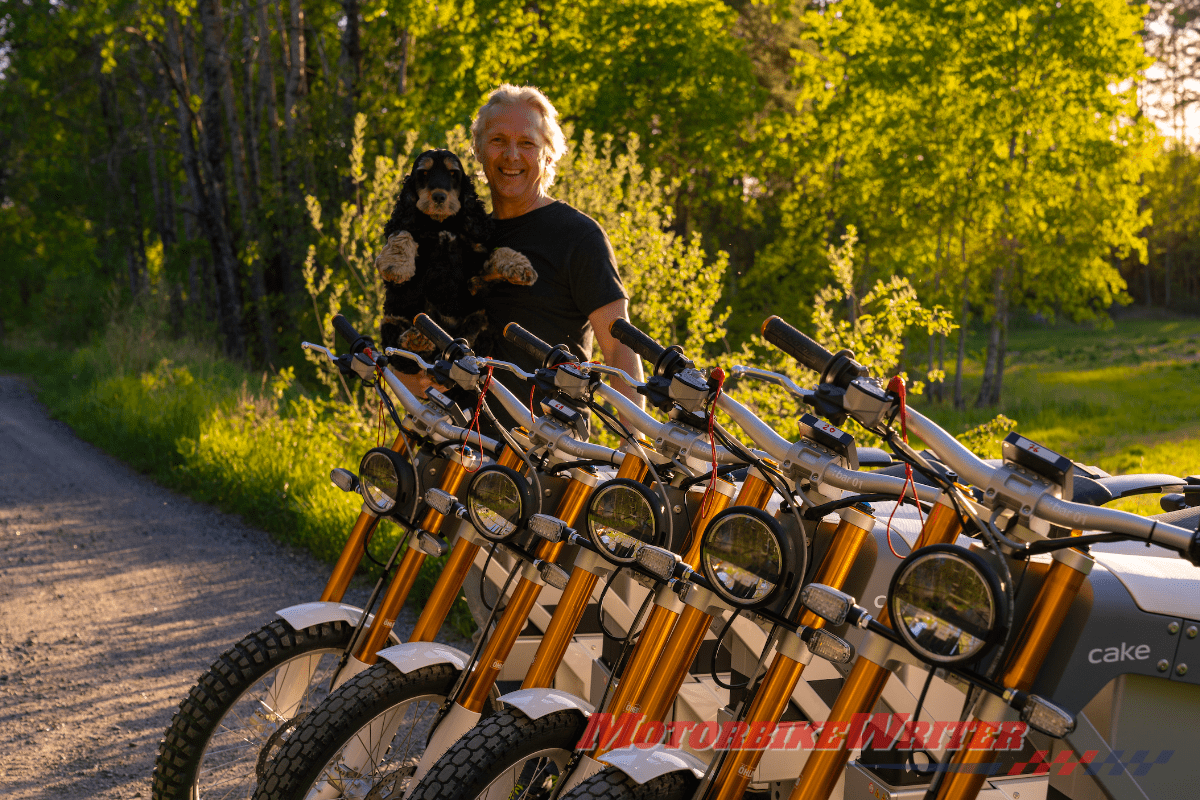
x=345 y=280
x=877 y=323
x=1171 y=274
x=984 y=440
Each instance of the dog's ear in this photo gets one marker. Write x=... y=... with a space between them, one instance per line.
x=477 y=225
x=405 y=211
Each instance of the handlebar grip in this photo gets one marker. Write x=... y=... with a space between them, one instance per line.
x=433 y=332
x=343 y=326
x=796 y=344
x=528 y=343
x=625 y=333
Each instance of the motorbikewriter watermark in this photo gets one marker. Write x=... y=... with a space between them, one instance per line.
x=864 y=731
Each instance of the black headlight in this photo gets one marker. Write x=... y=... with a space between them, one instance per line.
x=623 y=515
x=747 y=558
x=946 y=604
x=498 y=502
x=387 y=481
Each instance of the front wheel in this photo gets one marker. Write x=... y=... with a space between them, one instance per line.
x=365 y=740
x=612 y=784
x=250 y=696
x=504 y=757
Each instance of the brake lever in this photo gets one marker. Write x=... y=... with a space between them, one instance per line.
x=395 y=351
x=505 y=365
x=739 y=371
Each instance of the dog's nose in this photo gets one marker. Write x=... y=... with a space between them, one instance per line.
x=439 y=197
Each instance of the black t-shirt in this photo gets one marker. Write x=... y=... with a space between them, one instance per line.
x=577 y=274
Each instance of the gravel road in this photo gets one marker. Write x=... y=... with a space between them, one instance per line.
x=115 y=594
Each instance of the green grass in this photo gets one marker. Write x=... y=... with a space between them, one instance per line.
x=1125 y=399
x=248 y=442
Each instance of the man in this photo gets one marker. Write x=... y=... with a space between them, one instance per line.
x=578 y=292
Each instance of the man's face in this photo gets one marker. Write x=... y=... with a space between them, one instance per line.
x=512 y=154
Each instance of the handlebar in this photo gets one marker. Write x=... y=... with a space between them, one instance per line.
x=648 y=425
x=413 y=405
x=357 y=342
x=527 y=342
x=796 y=344
x=841 y=370
x=433 y=332
x=837 y=368
x=778 y=448
x=637 y=341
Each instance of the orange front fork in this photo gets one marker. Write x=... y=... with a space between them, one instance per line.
x=967 y=771
x=355 y=546
x=410 y=567
x=516 y=613
x=571 y=606
x=657 y=630
x=771 y=697
x=660 y=685
x=864 y=685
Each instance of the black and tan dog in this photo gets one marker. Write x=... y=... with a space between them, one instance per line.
x=438 y=258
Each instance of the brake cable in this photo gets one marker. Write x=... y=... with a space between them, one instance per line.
x=896 y=385
x=475 y=419
x=508 y=439
x=719 y=374
x=600 y=612
x=712 y=664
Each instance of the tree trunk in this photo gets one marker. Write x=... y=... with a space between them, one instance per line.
x=941 y=385
x=212 y=163
x=247 y=206
x=127 y=223
x=266 y=78
x=350 y=65
x=993 y=372
x=402 y=68
x=294 y=85
x=250 y=102
x=294 y=90
x=964 y=319
x=1167 y=279
x=289 y=270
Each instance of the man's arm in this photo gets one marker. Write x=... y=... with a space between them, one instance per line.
x=616 y=354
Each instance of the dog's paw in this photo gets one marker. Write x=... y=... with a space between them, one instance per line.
x=512 y=267
x=414 y=341
x=397 y=262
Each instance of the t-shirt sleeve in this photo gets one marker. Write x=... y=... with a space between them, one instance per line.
x=595 y=281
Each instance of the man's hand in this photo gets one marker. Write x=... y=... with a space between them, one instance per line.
x=616 y=354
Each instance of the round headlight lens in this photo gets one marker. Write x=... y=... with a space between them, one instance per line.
x=745 y=556
x=623 y=515
x=944 y=603
x=498 y=502
x=387 y=481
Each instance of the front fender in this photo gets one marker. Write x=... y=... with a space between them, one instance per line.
x=411 y=656
x=537 y=703
x=647 y=764
x=306 y=615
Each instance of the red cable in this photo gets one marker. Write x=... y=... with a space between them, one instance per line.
x=896 y=385
x=719 y=374
x=475 y=420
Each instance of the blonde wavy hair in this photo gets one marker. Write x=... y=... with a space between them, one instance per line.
x=553 y=142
